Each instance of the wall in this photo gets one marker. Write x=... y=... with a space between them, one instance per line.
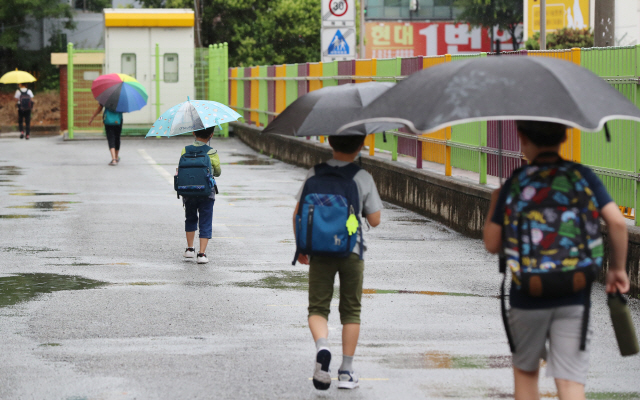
x=459 y=205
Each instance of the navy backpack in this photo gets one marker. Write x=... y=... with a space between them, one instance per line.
x=195 y=177
x=327 y=222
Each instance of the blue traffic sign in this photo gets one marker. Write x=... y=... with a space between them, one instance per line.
x=338 y=45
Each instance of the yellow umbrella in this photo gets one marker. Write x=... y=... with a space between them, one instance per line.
x=17 y=77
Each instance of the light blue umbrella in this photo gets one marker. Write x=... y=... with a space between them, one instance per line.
x=192 y=115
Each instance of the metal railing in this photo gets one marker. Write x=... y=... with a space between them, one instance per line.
x=262 y=92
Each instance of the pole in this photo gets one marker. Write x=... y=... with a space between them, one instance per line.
x=70 y=121
x=157 y=81
x=604 y=31
x=543 y=25
x=362 y=29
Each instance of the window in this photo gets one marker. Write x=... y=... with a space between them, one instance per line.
x=171 y=67
x=128 y=64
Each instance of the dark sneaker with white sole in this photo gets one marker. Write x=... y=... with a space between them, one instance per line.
x=322 y=374
x=347 y=380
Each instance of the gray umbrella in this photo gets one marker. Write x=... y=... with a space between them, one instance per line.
x=322 y=112
x=500 y=88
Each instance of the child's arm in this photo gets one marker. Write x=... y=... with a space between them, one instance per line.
x=617 y=278
x=302 y=258
x=98 y=110
x=492 y=232
x=374 y=219
x=215 y=164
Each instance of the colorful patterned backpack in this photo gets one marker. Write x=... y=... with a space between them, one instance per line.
x=551 y=232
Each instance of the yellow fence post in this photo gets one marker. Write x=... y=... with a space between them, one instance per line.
x=447 y=136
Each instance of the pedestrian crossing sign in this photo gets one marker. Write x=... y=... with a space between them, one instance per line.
x=338 y=45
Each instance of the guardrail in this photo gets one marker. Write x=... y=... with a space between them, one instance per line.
x=261 y=93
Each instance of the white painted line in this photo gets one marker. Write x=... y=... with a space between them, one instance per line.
x=155 y=166
x=363 y=379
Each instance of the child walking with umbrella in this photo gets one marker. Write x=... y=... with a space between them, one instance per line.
x=117 y=94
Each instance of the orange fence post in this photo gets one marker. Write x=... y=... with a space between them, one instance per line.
x=255 y=92
x=233 y=100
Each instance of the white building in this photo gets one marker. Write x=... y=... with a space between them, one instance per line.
x=130 y=40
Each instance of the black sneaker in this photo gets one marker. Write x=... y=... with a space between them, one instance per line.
x=322 y=374
x=26 y=136
x=202 y=258
x=21 y=135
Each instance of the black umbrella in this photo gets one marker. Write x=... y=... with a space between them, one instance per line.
x=322 y=112
x=500 y=88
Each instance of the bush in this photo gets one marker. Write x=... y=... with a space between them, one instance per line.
x=564 y=38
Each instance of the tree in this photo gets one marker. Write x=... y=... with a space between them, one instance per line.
x=565 y=38
x=259 y=32
x=15 y=15
x=505 y=14
x=92 y=5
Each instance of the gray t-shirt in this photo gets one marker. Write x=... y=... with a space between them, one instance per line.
x=370 y=201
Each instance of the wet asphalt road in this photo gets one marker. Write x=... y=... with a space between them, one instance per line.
x=98 y=303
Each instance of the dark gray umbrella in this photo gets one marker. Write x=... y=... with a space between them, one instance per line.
x=322 y=112
x=500 y=88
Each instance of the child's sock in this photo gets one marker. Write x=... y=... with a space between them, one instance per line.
x=322 y=342
x=347 y=364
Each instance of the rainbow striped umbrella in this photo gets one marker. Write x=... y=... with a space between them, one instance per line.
x=119 y=92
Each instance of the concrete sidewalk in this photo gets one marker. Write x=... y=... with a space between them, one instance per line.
x=98 y=303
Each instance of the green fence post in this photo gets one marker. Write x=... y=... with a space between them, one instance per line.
x=70 y=120
x=224 y=81
x=157 y=81
x=394 y=149
x=211 y=78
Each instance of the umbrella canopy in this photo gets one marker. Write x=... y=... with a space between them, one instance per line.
x=500 y=88
x=119 y=92
x=17 y=77
x=322 y=112
x=192 y=115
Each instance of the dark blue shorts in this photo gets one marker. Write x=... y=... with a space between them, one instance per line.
x=198 y=212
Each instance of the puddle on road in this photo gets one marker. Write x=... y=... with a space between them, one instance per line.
x=17 y=216
x=34 y=193
x=51 y=344
x=251 y=159
x=282 y=280
x=425 y=292
x=24 y=287
x=26 y=249
x=47 y=205
x=412 y=220
x=10 y=170
x=611 y=396
x=438 y=360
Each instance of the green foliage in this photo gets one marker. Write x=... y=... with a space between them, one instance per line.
x=506 y=14
x=565 y=38
x=92 y=5
x=259 y=32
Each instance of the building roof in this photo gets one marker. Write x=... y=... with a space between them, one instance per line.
x=78 y=58
x=148 y=17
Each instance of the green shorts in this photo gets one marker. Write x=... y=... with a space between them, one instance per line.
x=322 y=273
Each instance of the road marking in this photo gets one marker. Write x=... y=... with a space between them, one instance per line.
x=233 y=225
x=228 y=237
x=155 y=166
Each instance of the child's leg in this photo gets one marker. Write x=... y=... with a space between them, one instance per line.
x=319 y=327
x=526 y=384
x=190 y=237
x=205 y=211
x=351 y=272
x=350 y=334
x=569 y=390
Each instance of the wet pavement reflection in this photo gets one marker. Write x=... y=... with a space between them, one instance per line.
x=24 y=287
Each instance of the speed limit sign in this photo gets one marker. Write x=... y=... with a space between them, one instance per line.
x=338 y=13
x=338 y=7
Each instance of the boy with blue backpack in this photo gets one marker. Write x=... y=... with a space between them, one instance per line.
x=195 y=182
x=328 y=227
x=545 y=223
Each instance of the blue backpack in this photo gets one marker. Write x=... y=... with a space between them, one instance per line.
x=327 y=222
x=111 y=118
x=195 y=177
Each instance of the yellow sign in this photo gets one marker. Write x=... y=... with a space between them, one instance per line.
x=560 y=14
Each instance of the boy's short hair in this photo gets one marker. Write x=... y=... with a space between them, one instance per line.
x=541 y=133
x=204 y=133
x=347 y=144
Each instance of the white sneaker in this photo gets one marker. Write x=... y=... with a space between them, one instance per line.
x=202 y=258
x=347 y=380
x=190 y=252
x=322 y=374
